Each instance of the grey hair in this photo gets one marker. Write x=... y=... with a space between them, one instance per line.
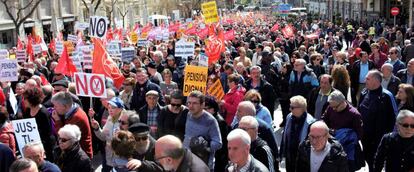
x=34 y=144
x=388 y=65
x=63 y=98
x=336 y=96
x=256 y=68
x=377 y=75
x=404 y=114
x=21 y=164
x=239 y=134
x=72 y=131
x=158 y=53
x=301 y=61
x=248 y=105
x=252 y=121
x=320 y=124
x=299 y=100
x=132 y=115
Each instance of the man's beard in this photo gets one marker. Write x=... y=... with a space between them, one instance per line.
x=143 y=148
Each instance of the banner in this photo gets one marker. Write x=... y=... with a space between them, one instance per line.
x=114 y=48
x=72 y=38
x=8 y=70
x=21 y=55
x=4 y=54
x=26 y=132
x=288 y=31
x=128 y=53
x=195 y=78
x=142 y=42
x=59 y=47
x=210 y=12
x=90 y=85
x=87 y=57
x=37 y=48
x=184 y=49
x=229 y=35
x=216 y=90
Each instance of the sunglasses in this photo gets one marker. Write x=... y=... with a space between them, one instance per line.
x=393 y=53
x=122 y=122
x=407 y=125
x=143 y=138
x=176 y=105
x=63 y=140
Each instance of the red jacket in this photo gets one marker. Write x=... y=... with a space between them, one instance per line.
x=232 y=100
x=7 y=136
x=79 y=118
x=378 y=63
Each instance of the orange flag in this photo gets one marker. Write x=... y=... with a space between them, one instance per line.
x=103 y=64
x=65 y=64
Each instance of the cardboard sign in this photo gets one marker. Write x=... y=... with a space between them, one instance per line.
x=184 y=49
x=21 y=55
x=216 y=90
x=4 y=54
x=203 y=60
x=37 y=48
x=134 y=37
x=142 y=42
x=128 y=53
x=26 y=131
x=8 y=70
x=90 y=85
x=195 y=78
x=98 y=26
x=72 y=38
x=76 y=59
x=87 y=57
x=114 y=48
x=59 y=47
x=210 y=12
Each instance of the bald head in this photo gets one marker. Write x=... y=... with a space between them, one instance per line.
x=320 y=126
x=30 y=83
x=245 y=108
x=169 y=145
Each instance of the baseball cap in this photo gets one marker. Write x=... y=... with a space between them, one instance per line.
x=117 y=102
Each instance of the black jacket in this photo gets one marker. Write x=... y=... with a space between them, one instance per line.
x=402 y=74
x=74 y=160
x=335 y=161
x=143 y=113
x=356 y=69
x=266 y=91
x=171 y=123
x=147 y=159
x=262 y=152
x=138 y=96
x=255 y=166
x=313 y=95
x=395 y=152
x=192 y=163
x=393 y=85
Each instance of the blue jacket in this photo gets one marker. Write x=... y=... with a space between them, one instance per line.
x=348 y=139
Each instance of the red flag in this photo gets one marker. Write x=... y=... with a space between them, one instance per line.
x=275 y=28
x=288 y=31
x=191 y=31
x=229 y=35
x=65 y=64
x=174 y=27
x=203 y=33
x=215 y=46
x=19 y=44
x=147 y=28
x=136 y=27
x=44 y=80
x=103 y=64
x=52 y=45
x=109 y=35
x=29 y=48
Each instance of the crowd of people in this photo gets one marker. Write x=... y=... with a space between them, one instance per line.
x=351 y=84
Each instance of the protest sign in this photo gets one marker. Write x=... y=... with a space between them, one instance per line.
x=81 y=25
x=21 y=55
x=4 y=54
x=59 y=47
x=26 y=131
x=98 y=26
x=216 y=90
x=114 y=48
x=87 y=57
x=195 y=78
x=210 y=12
x=128 y=53
x=76 y=60
x=8 y=70
x=72 y=38
x=203 y=60
x=90 y=85
x=184 y=49
x=37 y=48
x=134 y=37
x=142 y=42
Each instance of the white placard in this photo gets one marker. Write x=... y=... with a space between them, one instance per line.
x=72 y=38
x=81 y=25
x=8 y=70
x=76 y=60
x=59 y=47
x=128 y=53
x=26 y=131
x=21 y=55
x=90 y=85
x=203 y=60
x=142 y=42
x=184 y=49
x=87 y=57
x=4 y=54
x=98 y=26
x=114 y=48
x=37 y=48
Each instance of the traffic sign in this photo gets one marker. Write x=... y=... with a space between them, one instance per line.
x=395 y=11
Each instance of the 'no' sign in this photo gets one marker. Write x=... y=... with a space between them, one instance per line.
x=98 y=26
x=90 y=85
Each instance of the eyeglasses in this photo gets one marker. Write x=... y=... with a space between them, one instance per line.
x=143 y=138
x=311 y=137
x=392 y=52
x=176 y=105
x=63 y=140
x=162 y=157
x=123 y=122
x=407 y=125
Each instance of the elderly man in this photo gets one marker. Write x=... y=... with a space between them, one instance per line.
x=318 y=96
x=296 y=130
x=247 y=108
x=258 y=147
x=68 y=112
x=240 y=159
x=127 y=119
x=395 y=61
x=378 y=110
x=36 y=152
x=302 y=80
x=359 y=70
x=389 y=81
x=201 y=123
x=62 y=86
x=149 y=113
x=23 y=165
x=143 y=86
x=320 y=152
x=171 y=154
x=407 y=75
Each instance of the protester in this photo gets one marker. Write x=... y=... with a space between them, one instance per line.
x=36 y=152
x=232 y=98
x=389 y=81
x=405 y=97
x=6 y=131
x=142 y=87
x=23 y=165
x=149 y=113
x=318 y=96
x=6 y=157
x=172 y=118
x=126 y=93
x=128 y=118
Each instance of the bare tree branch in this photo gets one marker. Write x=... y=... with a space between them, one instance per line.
x=97 y=5
x=86 y=5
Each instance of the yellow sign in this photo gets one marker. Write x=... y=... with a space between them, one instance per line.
x=195 y=78
x=216 y=90
x=210 y=12
x=134 y=37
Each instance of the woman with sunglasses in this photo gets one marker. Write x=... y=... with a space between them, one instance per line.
x=69 y=155
x=396 y=150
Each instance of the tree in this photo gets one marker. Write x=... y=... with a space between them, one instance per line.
x=19 y=17
x=96 y=2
